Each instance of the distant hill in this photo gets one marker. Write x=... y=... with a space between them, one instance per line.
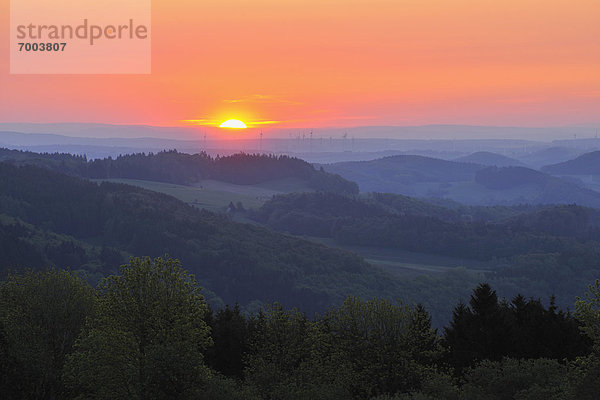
x=321 y=214
x=566 y=220
x=185 y=169
x=489 y=159
x=551 y=155
x=396 y=173
x=586 y=164
x=387 y=215
x=510 y=177
x=467 y=183
x=543 y=188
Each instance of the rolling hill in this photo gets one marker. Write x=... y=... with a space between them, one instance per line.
x=186 y=169
x=543 y=250
x=466 y=183
x=396 y=174
x=549 y=155
x=490 y=159
x=585 y=164
x=54 y=219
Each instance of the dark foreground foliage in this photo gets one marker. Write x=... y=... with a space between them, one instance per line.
x=146 y=333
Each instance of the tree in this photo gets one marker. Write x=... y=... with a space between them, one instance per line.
x=390 y=347
x=517 y=379
x=229 y=331
x=479 y=332
x=587 y=309
x=491 y=329
x=277 y=347
x=358 y=350
x=294 y=358
x=41 y=315
x=148 y=338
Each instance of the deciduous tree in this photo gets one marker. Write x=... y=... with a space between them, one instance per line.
x=41 y=315
x=148 y=339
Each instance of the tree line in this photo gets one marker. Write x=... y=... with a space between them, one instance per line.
x=172 y=166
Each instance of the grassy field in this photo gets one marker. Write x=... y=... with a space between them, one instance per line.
x=260 y=191
x=216 y=195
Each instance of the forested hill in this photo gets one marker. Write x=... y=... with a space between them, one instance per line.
x=52 y=219
x=378 y=220
x=539 y=250
x=181 y=168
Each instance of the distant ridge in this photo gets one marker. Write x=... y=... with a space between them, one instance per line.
x=467 y=183
x=550 y=155
x=490 y=159
x=404 y=169
x=184 y=169
x=586 y=164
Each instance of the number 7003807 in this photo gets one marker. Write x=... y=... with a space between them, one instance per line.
x=42 y=46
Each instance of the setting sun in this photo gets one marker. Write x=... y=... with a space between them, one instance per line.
x=233 y=123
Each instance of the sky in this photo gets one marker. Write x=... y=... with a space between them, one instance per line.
x=338 y=63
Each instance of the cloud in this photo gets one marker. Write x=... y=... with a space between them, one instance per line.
x=200 y=121
x=261 y=98
x=214 y=122
x=522 y=100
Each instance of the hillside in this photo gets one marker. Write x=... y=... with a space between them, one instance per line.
x=101 y=224
x=470 y=184
x=539 y=250
x=368 y=222
x=396 y=174
x=586 y=164
x=550 y=155
x=543 y=188
x=186 y=169
x=281 y=210
x=489 y=159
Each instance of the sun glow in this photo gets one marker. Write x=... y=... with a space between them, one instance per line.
x=233 y=124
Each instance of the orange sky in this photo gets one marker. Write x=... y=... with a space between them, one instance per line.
x=339 y=63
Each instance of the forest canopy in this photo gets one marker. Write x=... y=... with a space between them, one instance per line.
x=147 y=333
